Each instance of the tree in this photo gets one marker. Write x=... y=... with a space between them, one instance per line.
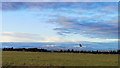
x=72 y=50
x=61 y=50
x=68 y=50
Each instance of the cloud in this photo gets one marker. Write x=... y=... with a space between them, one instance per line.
x=55 y=5
x=59 y=1
x=92 y=20
x=29 y=37
x=48 y=46
x=26 y=37
x=105 y=29
x=31 y=5
x=20 y=37
x=50 y=39
x=100 y=21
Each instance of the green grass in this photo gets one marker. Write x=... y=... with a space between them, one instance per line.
x=12 y=58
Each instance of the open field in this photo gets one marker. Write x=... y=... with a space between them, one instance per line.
x=13 y=58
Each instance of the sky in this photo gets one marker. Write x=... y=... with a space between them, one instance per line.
x=61 y=22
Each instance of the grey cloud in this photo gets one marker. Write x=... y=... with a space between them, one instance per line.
x=31 y=5
x=98 y=29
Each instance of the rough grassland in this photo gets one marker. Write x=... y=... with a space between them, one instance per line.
x=13 y=58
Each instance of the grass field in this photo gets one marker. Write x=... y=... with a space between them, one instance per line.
x=13 y=58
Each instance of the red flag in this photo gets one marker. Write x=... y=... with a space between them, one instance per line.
x=80 y=45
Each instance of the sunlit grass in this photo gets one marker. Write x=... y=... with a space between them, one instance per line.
x=13 y=58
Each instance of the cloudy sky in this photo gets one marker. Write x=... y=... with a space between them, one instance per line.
x=79 y=22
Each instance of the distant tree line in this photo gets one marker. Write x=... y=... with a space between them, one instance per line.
x=62 y=51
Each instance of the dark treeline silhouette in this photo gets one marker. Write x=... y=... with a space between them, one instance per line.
x=62 y=51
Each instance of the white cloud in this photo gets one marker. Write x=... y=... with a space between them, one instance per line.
x=101 y=40
x=19 y=37
x=26 y=37
x=59 y=0
x=81 y=38
x=50 y=39
x=50 y=45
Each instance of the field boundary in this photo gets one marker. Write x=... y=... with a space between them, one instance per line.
x=60 y=66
